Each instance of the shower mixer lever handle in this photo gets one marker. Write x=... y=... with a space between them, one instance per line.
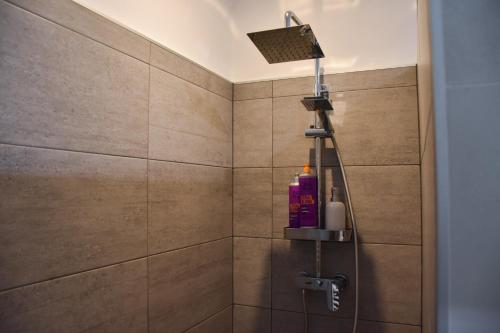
x=332 y=286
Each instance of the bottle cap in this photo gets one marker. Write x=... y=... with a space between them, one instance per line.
x=307 y=168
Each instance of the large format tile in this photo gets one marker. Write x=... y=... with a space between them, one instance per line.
x=379 y=126
x=252 y=202
x=188 y=204
x=252 y=271
x=188 y=123
x=110 y=299
x=390 y=283
x=68 y=91
x=293 y=322
x=386 y=202
x=253 y=127
x=390 y=287
x=248 y=319
x=190 y=71
x=189 y=285
x=64 y=212
x=261 y=89
x=78 y=18
x=372 y=79
x=290 y=146
x=221 y=322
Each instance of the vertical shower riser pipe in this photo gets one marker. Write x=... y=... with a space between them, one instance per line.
x=318 y=147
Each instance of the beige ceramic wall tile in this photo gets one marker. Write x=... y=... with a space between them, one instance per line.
x=390 y=284
x=373 y=79
x=252 y=202
x=429 y=234
x=386 y=202
x=377 y=127
x=68 y=91
x=290 y=146
x=65 y=212
x=248 y=319
x=253 y=133
x=292 y=322
x=110 y=299
x=188 y=123
x=78 y=18
x=189 y=285
x=262 y=89
x=189 y=71
x=188 y=204
x=252 y=271
x=221 y=322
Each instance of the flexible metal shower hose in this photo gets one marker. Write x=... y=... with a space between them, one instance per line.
x=354 y=229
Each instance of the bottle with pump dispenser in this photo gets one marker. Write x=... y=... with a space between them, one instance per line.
x=308 y=186
x=335 y=212
x=294 y=202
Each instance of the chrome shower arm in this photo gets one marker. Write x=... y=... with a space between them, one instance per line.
x=289 y=15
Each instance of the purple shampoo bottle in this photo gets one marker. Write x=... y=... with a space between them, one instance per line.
x=294 y=203
x=308 y=186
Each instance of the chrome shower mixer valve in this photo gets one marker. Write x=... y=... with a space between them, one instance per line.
x=333 y=287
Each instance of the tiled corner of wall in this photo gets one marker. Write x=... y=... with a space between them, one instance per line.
x=116 y=179
x=376 y=122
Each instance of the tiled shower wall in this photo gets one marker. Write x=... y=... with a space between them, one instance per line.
x=115 y=179
x=377 y=125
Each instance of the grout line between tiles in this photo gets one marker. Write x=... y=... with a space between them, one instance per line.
x=110 y=155
x=253 y=306
x=73 y=274
x=251 y=99
x=298 y=240
x=146 y=256
x=191 y=82
x=147 y=198
x=421 y=151
x=189 y=246
x=351 y=90
x=208 y=318
x=232 y=201
x=329 y=166
x=272 y=212
x=78 y=32
x=343 y=317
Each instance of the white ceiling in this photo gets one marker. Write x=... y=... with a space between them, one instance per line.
x=354 y=34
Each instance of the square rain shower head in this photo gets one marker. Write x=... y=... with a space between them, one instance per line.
x=317 y=103
x=287 y=44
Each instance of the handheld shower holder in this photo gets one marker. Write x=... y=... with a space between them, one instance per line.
x=332 y=286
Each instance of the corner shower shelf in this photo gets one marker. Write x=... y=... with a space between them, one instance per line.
x=318 y=234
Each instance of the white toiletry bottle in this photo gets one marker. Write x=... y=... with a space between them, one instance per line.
x=335 y=212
